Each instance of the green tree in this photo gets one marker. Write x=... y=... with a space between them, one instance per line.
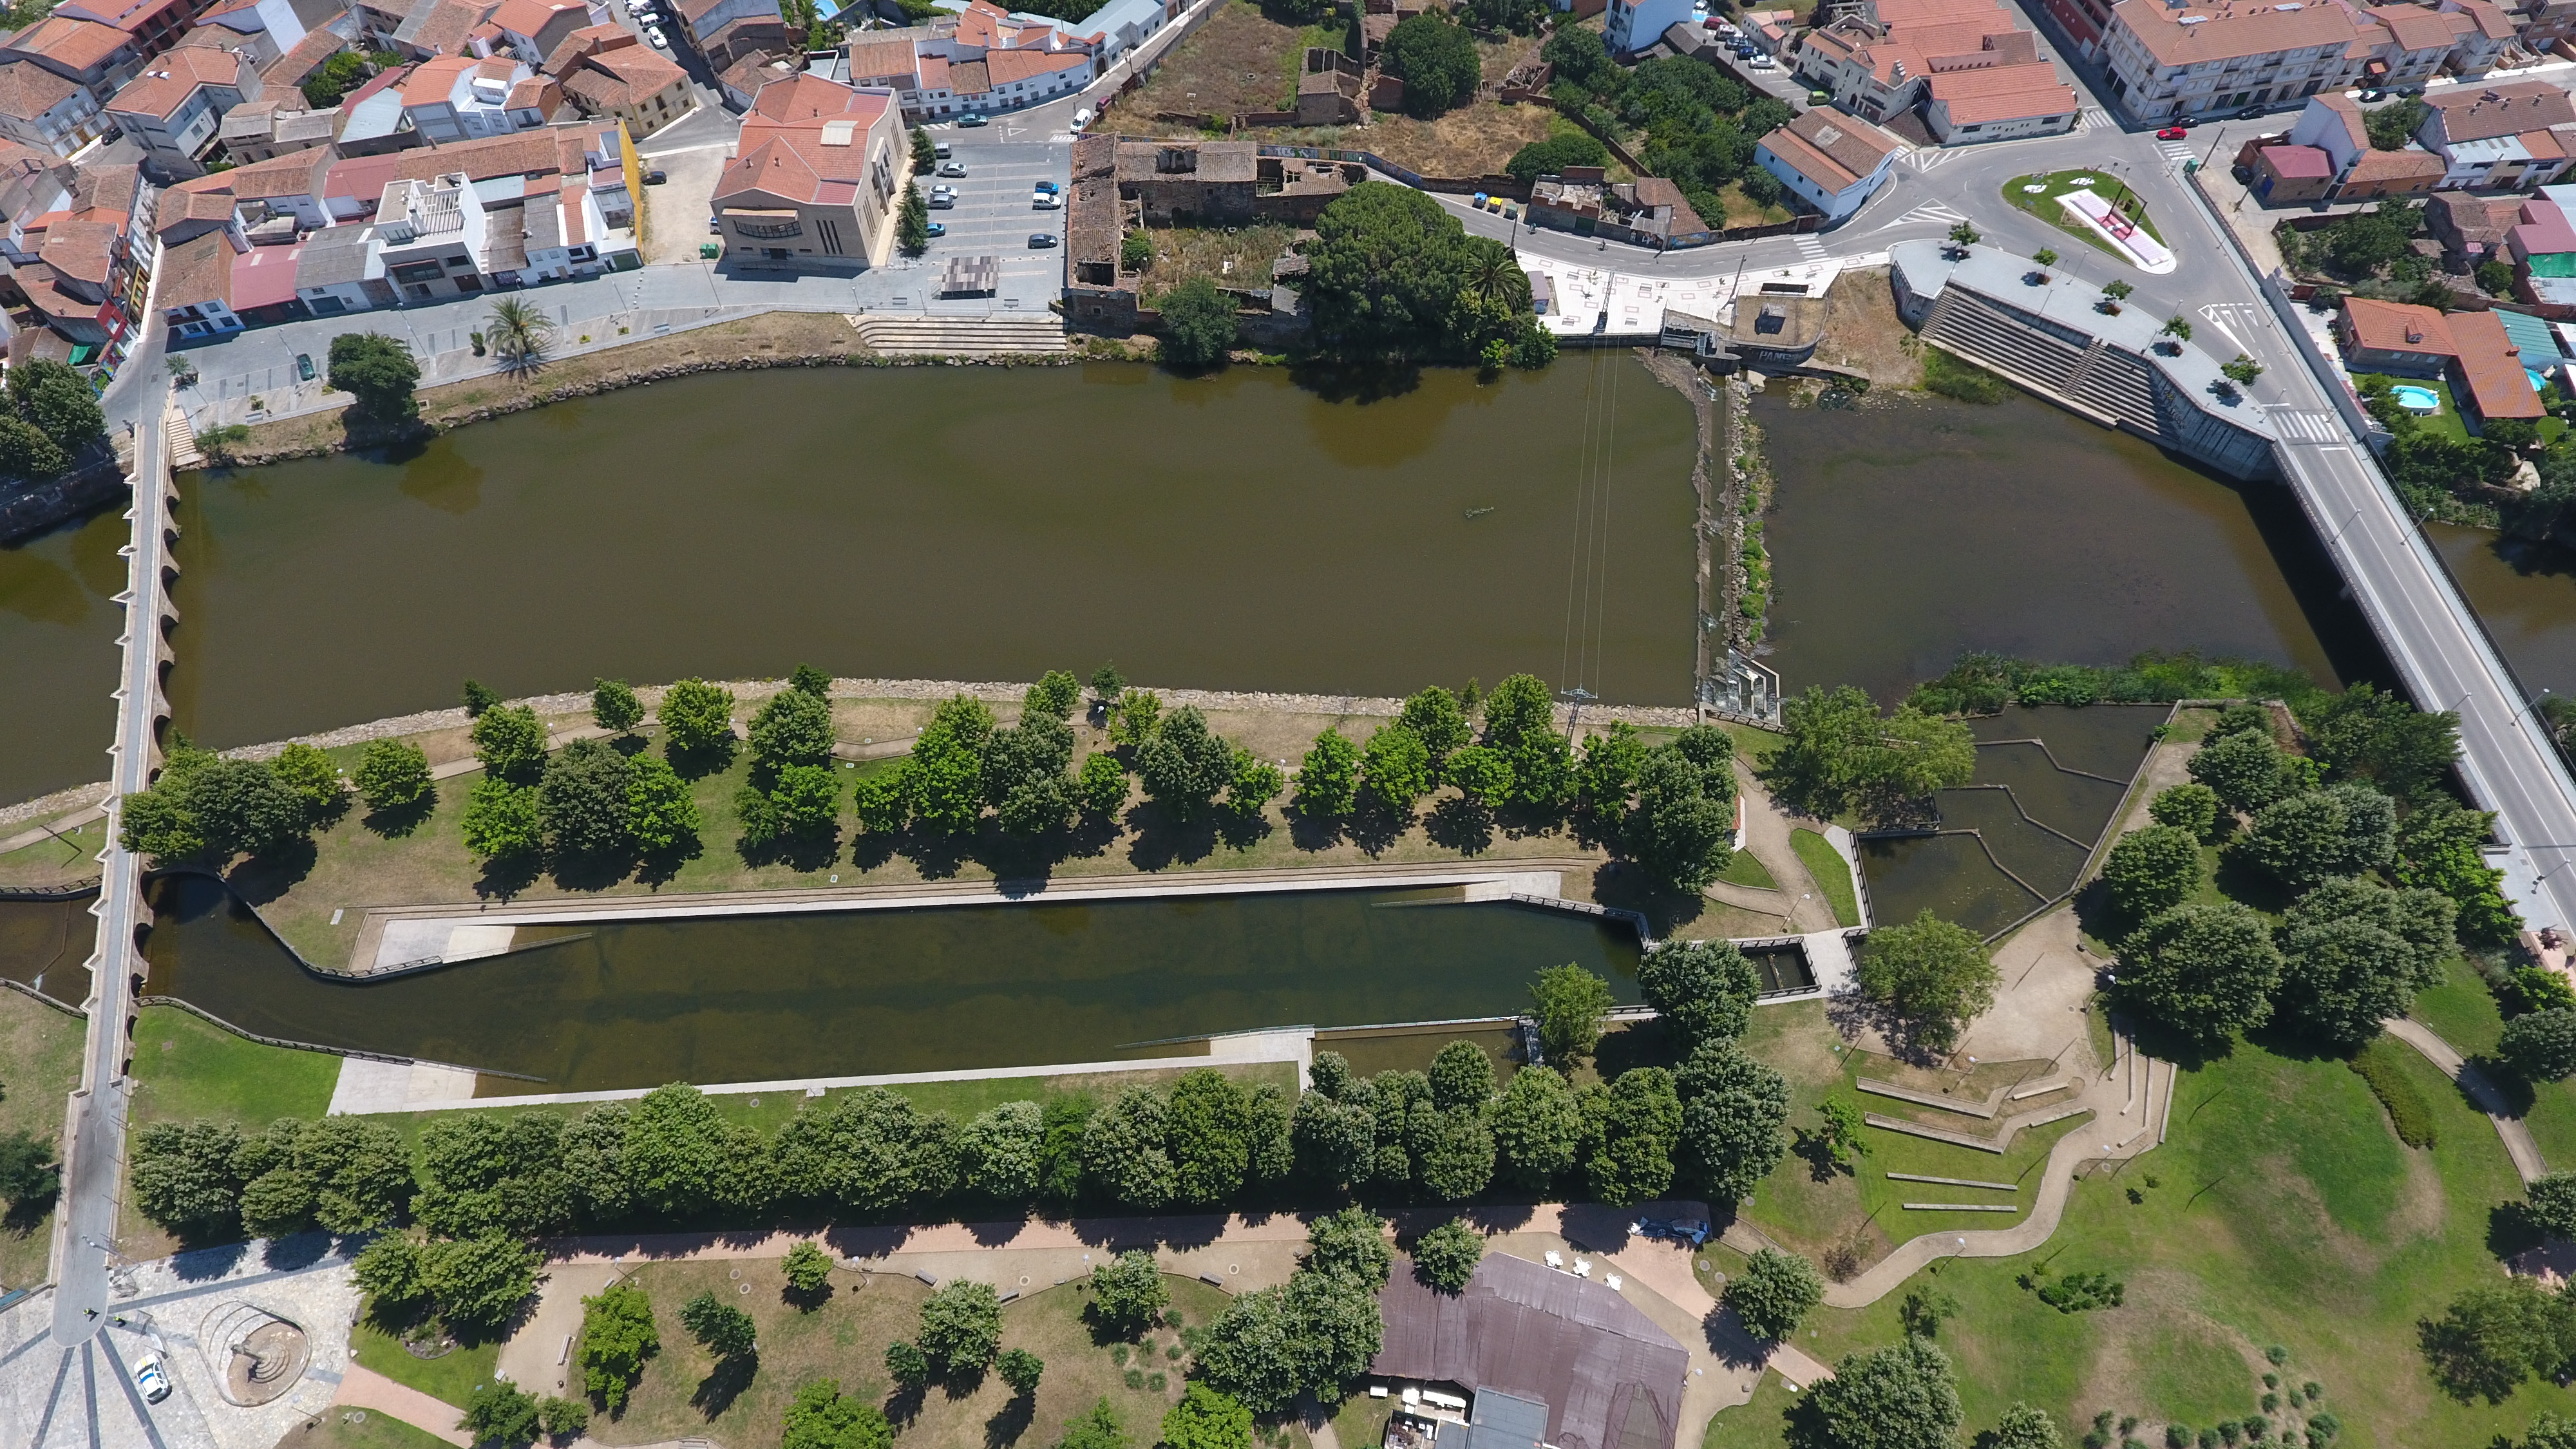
x=1395 y=769
x=502 y=821
x=1207 y=1419
x=2206 y=971
x=2354 y=953
x=1021 y=1369
x=1437 y=60
x=1481 y=776
x=2438 y=848
x=1000 y=1152
x=870 y=1150
x=1107 y=684
x=1328 y=779
x=58 y=401
x=1925 y=1309
x=1462 y=1076
x=674 y=1151
x=961 y=1327
x=2391 y=126
x=480 y=1283
x=2548 y=1431
x=583 y=804
x=661 y=814
x=563 y=1418
x=1123 y=1152
x=500 y=1412
x=393 y=774
x=2541 y=1045
x=1132 y=720
x=925 y=152
x=793 y=727
x=613 y=705
x=1682 y=831
x=1384 y=272
x=2155 y=868
x=1057 y=694
x=2245 y=769
x=1569 y=1002
x=907 y=1365
x=722 y=1329
x=1094 y=1428
x=1314 y=1334
x=1901 y=1397
x=1774 y=1294
x=309 y=776
x=25 y=452
x=2023 y=1427
x=912 y=221
x=808 y=1269
x=338 y=76
x=1256 y=783
x=29 y=1173
x=1100 y=789
x=1439 y=721
x=2242 y=370
x=1445 y=1257
x=1734 y=1112
x=511 y=743
x=2365 y=734
x=1551 y=156
x=2550 y=1203
x=1538 y=1127
x=389 y=1271
x=1350 y=1244
x=478 y=698
x=377 y=371
x=945 y=779
x=1630 y=1131
x=1932 y=975
x=1207 y=1128
x=696 y=717
x=1198 y=324
x=821 y=1417
x=2496 y=1334
x=1128 y=1294
x=1840 y=753
x=1843 y=1121
x=2192 y=809
x=1184 y=764
x=1520 y=725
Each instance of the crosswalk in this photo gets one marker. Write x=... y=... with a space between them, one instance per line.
x=2091 y=118
x=1933 y=212
x=1926 y=158
x=2176 y=152
x=1811 y=249
x=2308 y=425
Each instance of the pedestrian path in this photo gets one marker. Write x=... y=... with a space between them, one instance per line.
x=2516 y=1133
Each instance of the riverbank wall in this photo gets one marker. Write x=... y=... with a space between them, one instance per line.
x=38 y=506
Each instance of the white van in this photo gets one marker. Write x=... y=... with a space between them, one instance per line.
x=1082 y=118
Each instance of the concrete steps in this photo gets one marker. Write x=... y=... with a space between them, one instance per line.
x=1964 y=325
x=1038 y=335
x=182 y=443
x=2114 y=382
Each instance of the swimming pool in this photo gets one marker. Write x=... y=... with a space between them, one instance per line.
x=2416 y=399
x=2538 y=379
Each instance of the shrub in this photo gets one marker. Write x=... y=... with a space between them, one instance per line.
x=2380 y=1065
x=1021 y=1369
x=1198 y=324
x=617 y=1335
x=808 y=1268
x=1553 y=155
x=1774 y=1293
x=1128 y=1293
x=2188 y=807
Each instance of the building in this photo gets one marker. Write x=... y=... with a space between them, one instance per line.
x=2500 y=137
x=632 y=83
x=984 y=60
x=450 y=98
x=1636 y=24
x=1189 y=183
x=2542 y=25
x=267 y=29
x=2288 y=175
x=1647 y=212
x=725 y=30
x=174 y=108
x=534 y=28
x=1973 y=73
x=1551 y=1358
x=814 y=175
x=2471 y=229
x=98 y=58
x=2469 y=350
x=274 y=126
x=2329 y=157
x=1121 y=25
x=40 y=108
x=1830 y=161
x=150 y=26
x=2166 y=60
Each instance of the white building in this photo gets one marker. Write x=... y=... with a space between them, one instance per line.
x=1636 y=24
x=1831 y=161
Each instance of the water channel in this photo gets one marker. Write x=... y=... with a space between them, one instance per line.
x=763 y=998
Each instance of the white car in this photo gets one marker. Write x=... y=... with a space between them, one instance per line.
x=1045 y=201
x=653 y=33
x=1761 y=62
x=149 y=1379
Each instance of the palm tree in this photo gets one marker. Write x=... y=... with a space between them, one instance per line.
x=520 y=332
x=1491 y=271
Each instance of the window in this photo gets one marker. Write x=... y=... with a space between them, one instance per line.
x=768 y=230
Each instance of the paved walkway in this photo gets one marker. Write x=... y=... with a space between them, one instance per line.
x=364 y=1388
x=1766 y=835
x=2518 y=1143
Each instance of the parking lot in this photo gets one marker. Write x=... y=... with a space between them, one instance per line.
x=993 y=216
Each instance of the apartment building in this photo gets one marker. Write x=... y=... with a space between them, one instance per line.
x=1973 y=73
x=175 y=107
x=985 y=60
x=98 y=58
x=39 y=108
x=2500 y=137
x=2164 y=60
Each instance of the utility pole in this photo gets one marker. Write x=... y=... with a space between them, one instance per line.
x=1578 y=695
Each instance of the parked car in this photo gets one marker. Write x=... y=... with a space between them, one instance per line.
x=1046 y=201
x=715 y=226
x=2172 y=133
x=653 y=33
x=1081 y=118
x=1744 y=51
x=655 y=177
x=149 y=1379
x=2372 y=93
x=939 y=149
x=1041 y=240
x=943 y=201
x=2185 y=123
x=937 y=228
x=972 y=118
x=952 y=168
x=1761 y=62
x=304 y=366
x=1048 y=187
x=2250 y=113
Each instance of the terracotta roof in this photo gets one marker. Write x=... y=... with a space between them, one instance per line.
x=530 y=17
x=531 y=94
x=969 y=78
x=621 y=78
x=870 y=59
x=197 y=271
x=2375 y=166
x=434 y=81
x=297 y=173
x=1005 y=66
x=569 y=50
x=75 y=44
x=2476 y=218
x=801 y=98
x=2413 y=26
x=787 y=159
x=2004 y=93
x=174 y=76
x=447 y=25
x=185 y=203
x=81 y=250
x=1217 y=161
x=1852 y=145
x=28 y=90
x=2476 y=342
x=2298 y=162
x=2479 y=113
x=1656 y=191
x=754 y=70
x=2222 y=32
x=264 y=276
x=46 y=294
x=2348 y=111
x=2491 y=20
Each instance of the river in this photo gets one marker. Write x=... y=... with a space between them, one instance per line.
x=58 y=630
x=1920 y=528
x=2526 y=593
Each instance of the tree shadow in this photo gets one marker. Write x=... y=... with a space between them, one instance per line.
x=1010 y=1421
x=592 y=872
x=1621 y=886
x=1360 y=382
x=1635 y=1044
x=272 y=873
x=938 y=854
x=2510 y=1230
x=1816 y=1149
x=2504 y=1088
x=1161 y=841
x=724 y=1383
x=1375 y=829
x=2242 y=880
x=659 y=868
x=1240 y=831
x=1462 y=825
x=805 y=1300
x=1312 y=833
x=903 y=1405
x=394 y=822
x=801 y=850
x=505 y=876
x=698 y=764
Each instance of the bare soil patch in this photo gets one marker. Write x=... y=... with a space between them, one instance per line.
x=1864 y=334
x=1237 y=61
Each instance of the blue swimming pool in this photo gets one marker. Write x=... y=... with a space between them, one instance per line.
x=2417 y=399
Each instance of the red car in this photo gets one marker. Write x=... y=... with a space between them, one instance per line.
x=2172 y=133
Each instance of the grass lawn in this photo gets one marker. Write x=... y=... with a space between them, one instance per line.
x=2281 y=1210
x=1832 y=873
x=40 y=1049
x=2464 y=1013
x=2101 y=182
x=54 y=862
x=450 y=1378
x=356 y=864
x=371 y=1429
x=2445 y=424
x=1742 y=869
x=845 y=1337
x=1759 y=1424
x=186 y=1067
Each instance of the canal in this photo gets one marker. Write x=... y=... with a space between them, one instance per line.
x=1922 y=528
x=763 y=998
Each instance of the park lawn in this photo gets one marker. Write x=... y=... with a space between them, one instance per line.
x=450 y=1378
x=2463 y=1012
x=62 y=861
x=2283 y=1211
x=1832 y=873
x=354 y=865
x=1760 y=1423
x=845 y=1338
x=346 y=1428
x=186 y=1067
x=40 y=1065
x=1742 y=869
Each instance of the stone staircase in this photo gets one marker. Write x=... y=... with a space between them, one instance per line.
x=2098 y=380
x=182 y=442
x=995 y=336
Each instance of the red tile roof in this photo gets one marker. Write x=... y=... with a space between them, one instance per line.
x=75 y=44
x=173 y=77
x=264 y=277
x=2299 y=163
